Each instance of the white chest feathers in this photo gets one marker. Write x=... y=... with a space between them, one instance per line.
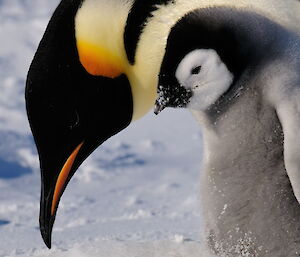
x=203 y=72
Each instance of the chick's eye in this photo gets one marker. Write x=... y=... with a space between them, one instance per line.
x=196 y=70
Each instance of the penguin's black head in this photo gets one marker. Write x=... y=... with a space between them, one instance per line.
x=71 y=107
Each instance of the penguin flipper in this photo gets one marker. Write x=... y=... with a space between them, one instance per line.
x=288 y=110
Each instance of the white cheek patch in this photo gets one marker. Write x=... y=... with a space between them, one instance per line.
x=210 y=83
x=190 y=61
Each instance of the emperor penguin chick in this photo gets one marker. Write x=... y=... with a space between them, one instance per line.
x=239 y=74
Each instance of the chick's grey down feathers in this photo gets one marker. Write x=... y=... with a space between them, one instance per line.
x=251 y=173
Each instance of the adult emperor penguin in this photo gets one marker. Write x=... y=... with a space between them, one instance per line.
x=239 y=73
x=96 y=70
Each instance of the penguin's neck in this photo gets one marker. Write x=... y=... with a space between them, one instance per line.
x=246 y=194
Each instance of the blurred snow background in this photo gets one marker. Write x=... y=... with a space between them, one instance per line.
x=137 y=195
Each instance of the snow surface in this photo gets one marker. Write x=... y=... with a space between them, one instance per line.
x=137 y=195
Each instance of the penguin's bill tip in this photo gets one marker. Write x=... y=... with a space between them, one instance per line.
x=158 y=108
x=99 y=61
x=51 y=196
x=160 y=104
x=46 y=234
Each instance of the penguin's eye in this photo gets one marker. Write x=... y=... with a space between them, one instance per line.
x=196 y=70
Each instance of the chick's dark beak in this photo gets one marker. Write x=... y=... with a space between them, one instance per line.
x=171 y=94
x=161 y=102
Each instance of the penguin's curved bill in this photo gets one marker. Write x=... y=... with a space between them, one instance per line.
x=68 y=124
x=71 y=112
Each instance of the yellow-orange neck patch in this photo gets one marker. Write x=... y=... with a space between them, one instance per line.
x=98 y=61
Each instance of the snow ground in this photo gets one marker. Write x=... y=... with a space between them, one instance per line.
x=137 y=195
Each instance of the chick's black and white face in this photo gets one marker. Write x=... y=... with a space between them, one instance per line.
x=203 y=73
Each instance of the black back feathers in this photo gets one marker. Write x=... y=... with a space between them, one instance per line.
x=137 y=19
